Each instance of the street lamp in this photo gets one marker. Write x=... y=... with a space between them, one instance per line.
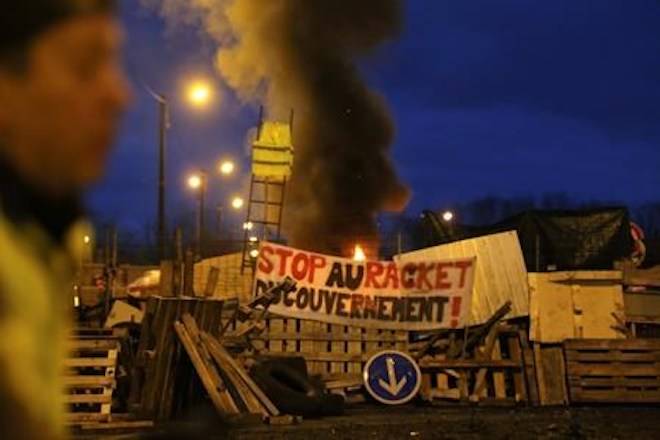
x=199 y=93
x=197 y=182
x=447 y=216
x=227 y=167
x=237 y=203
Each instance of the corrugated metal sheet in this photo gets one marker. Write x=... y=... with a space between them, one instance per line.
x=500 y=272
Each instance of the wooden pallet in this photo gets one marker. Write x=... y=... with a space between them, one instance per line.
x=90 y=378
x=613 y=370
x=162 y=369
x=330 y=350
x=338 y=354
x=501 y=373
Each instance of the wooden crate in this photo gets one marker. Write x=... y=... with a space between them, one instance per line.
x=90 y=378
x=613 y=371
x=502 y=372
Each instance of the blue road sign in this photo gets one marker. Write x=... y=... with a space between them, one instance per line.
x=392 y=377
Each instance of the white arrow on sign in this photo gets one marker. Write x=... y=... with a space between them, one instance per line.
x=393 y=386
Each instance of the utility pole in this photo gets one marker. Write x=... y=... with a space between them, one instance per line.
x=163 y=125
x=201 y=214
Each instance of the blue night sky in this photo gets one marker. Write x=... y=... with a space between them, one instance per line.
x=506 y=98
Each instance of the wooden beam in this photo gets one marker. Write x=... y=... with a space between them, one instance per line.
x=223 y=358
x=221 y=404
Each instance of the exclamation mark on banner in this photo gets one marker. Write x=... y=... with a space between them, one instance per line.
x=455 y=310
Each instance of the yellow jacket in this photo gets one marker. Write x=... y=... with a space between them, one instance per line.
x=36 y=273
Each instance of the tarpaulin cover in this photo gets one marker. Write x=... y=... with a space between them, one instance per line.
x=558 y=239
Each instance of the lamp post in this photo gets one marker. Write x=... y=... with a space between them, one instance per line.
x=198 y=183
x=163 y=126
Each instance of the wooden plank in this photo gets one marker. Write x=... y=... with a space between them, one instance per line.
x=93 y=344
x=608 y=396
x=499 y=383
x=116 y=425
x=553 y=375
x=88 y=381
x=195 y=337
x=612 y=344
x=275 y=325
x=613 y=356
x=354 y=347
x=579 y=369
x=337 y=358
x=518 y=379
x=470 y=364
x=85 y=417
x=88 y=398
x=486 y=354
x=337 y=346
x=307 y=345
x=613 y=382
x=222 y=357
x=529 y=368
x=89 y=362
x=291 y=326
x=201 y=368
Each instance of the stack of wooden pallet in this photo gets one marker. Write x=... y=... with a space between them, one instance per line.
x=613 y=370
x=90 y=378
x=161 y=370
x=226 y=382
x=501 y=371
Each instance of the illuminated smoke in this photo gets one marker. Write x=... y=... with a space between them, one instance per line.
x=303 y=54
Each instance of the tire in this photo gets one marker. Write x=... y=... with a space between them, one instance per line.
x=292 y=391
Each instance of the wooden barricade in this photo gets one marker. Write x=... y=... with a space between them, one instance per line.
x=90 y=378
x=613 y=370
x=501 y=372
x=162 y=370
x=330 y=350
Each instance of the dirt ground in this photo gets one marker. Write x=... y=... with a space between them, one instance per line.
x=441 y=423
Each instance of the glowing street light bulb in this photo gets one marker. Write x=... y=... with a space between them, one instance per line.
x=254 y=253
x=199 y=93
x=195 y=181
x=248 y=226
x=253 y=239
x=237 y=202
x=447 y=216
x=227 y=167
x=86 y=239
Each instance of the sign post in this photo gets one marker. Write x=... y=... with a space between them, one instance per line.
x=392 y=377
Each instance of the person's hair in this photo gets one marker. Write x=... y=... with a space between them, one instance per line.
x=21 y=23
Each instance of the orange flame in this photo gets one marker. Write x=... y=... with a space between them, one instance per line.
x=358 y=253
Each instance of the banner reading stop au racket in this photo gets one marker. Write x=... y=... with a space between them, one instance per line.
x=377 y=294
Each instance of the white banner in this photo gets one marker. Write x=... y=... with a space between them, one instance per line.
x=422 y=295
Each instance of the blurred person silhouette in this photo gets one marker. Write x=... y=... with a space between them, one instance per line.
x=62 y=93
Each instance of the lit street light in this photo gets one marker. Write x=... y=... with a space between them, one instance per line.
x=199 y=93
x=195 y=181
x=447 y=216
x=227 y=167
x=237 y=203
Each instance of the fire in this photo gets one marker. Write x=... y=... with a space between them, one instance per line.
x=358 y=253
